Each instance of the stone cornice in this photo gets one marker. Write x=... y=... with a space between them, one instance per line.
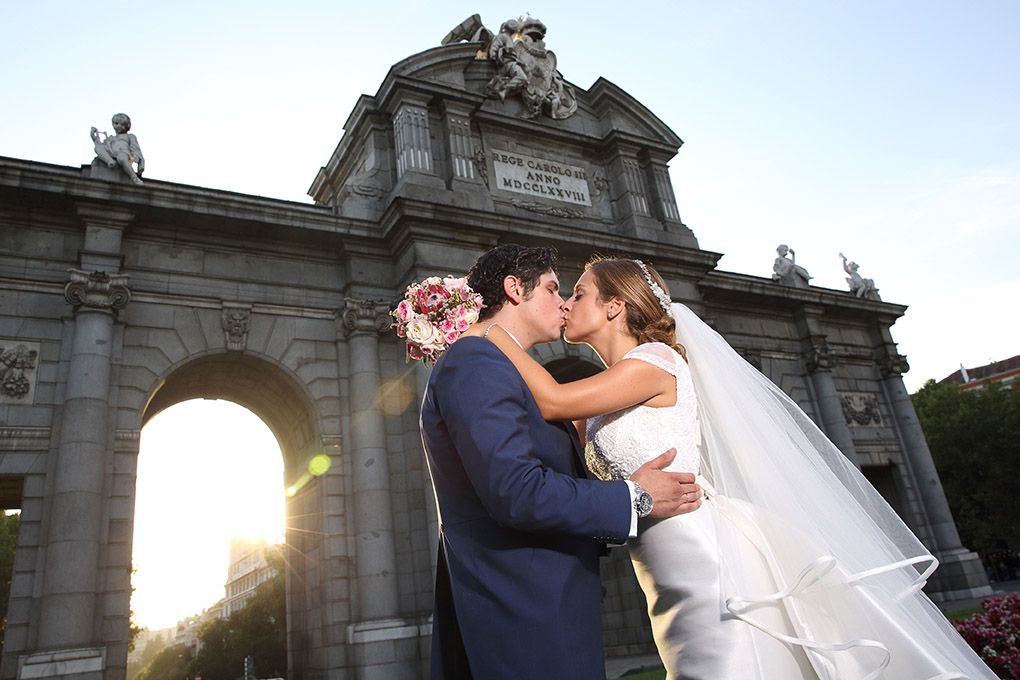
x=721 y=285
x=409 y=219
x=156 y=197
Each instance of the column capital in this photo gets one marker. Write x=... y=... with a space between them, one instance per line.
x=818 y=356
x=97 y=290
x=893 y=364
x=365 y=316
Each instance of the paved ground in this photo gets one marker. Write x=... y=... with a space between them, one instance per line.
x=998 y=588
x=615 y=668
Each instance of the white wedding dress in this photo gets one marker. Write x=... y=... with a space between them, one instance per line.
x=738 y=591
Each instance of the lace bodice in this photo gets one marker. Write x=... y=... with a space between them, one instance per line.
x=619 y=443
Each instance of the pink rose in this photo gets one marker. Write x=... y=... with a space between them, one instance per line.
x=404 y=310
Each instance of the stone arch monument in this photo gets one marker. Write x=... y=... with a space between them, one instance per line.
x=118 y=299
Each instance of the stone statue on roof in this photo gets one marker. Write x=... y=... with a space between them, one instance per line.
x=524 y=66
x=859 y=286
x=120 y=149
x=786 y=271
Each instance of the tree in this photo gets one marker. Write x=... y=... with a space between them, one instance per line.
x=149 y=652
x=170 y=664
x=8 y=543
x=259 y=630
x=974 y=437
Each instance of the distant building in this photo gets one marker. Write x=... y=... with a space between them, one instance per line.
x=1006 y=372
x=248 y=569
x=186 y=632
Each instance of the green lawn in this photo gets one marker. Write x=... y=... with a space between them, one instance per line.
x=646 y=675
x=961 y=614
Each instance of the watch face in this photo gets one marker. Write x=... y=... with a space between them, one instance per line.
x=643 y=503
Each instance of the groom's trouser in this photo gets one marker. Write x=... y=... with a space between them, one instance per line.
x=449 y=657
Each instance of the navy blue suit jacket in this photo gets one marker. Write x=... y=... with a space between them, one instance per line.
x=518 y=593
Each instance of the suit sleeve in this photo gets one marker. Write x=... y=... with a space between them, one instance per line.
x=485 y=407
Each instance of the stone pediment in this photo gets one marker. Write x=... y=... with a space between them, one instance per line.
x=436 y=132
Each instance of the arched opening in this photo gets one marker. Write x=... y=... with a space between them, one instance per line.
x=229 y=465
x=209 y=523
x=11 y=488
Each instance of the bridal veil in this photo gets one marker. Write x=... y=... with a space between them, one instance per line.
x=848 y=571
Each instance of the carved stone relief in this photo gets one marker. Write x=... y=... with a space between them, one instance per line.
x=525 y=67
x=861 y=409
x=893 y=364
x=18 y=369
x=481 y=165
x=819 y=357
x=543 y=209
x=235 y=319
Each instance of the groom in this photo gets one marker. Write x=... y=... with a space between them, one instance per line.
x=518 y=594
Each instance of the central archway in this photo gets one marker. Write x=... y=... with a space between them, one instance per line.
x=273 y=394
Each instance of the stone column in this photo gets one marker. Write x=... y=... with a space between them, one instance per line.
x=819 y=363
x=961 y=574
x=929 y=485
x=375 y=554
x=67 y=616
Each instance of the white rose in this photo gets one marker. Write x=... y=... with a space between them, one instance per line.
x=471 y=315
x=421 y=332
x=453 y=282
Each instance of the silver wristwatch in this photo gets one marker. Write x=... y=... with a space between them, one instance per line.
x=642 y=500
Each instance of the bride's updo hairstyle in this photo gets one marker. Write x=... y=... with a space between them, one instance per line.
x=646 y=319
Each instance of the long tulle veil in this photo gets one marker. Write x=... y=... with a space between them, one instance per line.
x=837 y=551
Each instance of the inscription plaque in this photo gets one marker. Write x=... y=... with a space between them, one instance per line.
x=540 y=178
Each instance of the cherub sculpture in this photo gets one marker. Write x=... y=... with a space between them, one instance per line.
x=120 y=149
x=786 y=270
x=859 y=286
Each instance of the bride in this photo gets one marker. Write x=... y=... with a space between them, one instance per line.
x=794 y=566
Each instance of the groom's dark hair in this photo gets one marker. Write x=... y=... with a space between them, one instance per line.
x=487 y=273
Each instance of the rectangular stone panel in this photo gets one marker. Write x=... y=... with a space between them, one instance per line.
x=540 y=178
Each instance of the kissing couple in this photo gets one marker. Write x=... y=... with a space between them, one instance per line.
x=762 y=552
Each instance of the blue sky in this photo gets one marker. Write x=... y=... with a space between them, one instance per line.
x=885 y=130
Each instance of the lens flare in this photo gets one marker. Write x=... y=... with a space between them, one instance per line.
x=319 y=464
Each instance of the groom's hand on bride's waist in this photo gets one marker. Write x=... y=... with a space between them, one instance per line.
x=673 y=493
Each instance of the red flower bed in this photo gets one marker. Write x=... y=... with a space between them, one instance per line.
x=995 y=634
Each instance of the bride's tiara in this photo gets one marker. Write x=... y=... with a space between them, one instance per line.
x=657 y=290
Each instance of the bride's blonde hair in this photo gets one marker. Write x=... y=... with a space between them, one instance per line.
x=647 y=320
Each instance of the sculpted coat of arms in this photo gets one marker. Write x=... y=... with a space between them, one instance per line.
x=524 y=66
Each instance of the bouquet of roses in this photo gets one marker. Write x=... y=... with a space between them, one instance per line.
x=433 y=314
